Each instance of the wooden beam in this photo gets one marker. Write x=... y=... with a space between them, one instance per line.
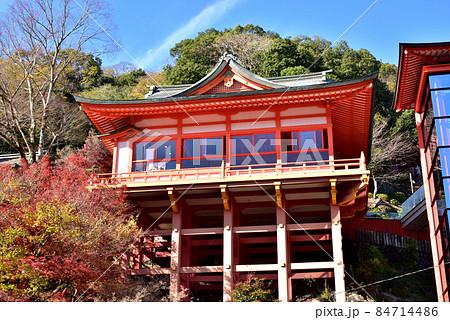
x=265 y=276
x=201 y=269
x=313 y=275
x=312 y=265
x=311 y=237
x=173 y=196
x=309 y=226
x=256 y=267
x=145 y=272
x=338 y=255
x=311 y=248
x=201 y=231
x=207 y=278
x=203 y=243
x=255 y=229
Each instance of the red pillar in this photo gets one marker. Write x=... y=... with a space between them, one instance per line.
x=284 y=281
x=175 y=255
x=228 y=253
x=338 y=256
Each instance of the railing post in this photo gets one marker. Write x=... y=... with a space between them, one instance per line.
x=362 y=161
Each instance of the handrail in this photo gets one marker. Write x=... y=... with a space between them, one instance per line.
x=227 y=171
x=415 y=199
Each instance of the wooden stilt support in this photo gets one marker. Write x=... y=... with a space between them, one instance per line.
x=228 y=252
x=283 y=263
x=175 y=255
x=338 y=255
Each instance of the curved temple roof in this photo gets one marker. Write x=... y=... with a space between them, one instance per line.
x=230 y=86
x=412 y=58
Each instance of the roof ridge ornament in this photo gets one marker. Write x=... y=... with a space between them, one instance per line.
x=229 y=54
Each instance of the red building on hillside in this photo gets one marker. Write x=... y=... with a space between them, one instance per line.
x=423 y=84
x=238 y=174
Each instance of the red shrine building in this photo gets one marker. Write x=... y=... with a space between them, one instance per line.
x=423 y=84
x=239 y=174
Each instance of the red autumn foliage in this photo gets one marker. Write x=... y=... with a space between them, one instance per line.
x=60 y=240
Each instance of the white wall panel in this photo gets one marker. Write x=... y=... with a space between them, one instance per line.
x=148 y=123
x=123 y=157
x=303 y=121
x=300 y=111
x=200 y=129
x=253 y=125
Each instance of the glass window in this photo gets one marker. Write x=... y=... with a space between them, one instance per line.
x=205 y=152
x=212 y=146
x=307 y=139
x=295 y=141
x=191 y=148
x=165 y=149
x=264 y=143
x=144 y=151
x=148 y=155
x=439 y=81
x=257 y=143
x=242 y=144
x=441 y=102
x=443 y=131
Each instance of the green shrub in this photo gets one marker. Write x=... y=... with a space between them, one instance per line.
x=410 y=258
x=370 y=195
x=383 y=197
x=400 y=196
x=252 y=290
x=374 y=266
x=395 y=201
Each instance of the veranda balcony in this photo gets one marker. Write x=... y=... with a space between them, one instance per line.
x=232 y=173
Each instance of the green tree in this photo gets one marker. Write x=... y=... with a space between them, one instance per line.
x=193 y=58
x=252 y=290
x=355 y=64
x=39 y=40
x=281 y=55
x=291 y=71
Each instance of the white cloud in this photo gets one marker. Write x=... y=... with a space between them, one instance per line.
x=204 y=19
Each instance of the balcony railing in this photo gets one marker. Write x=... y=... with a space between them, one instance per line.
x=417 y=197
x=231 y=172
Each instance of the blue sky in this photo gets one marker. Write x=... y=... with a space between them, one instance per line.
x=148 y=29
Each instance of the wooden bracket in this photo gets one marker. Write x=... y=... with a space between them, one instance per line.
x=278 y=193
x=333 y=191
x=173 y=195
x=225 y=196
x=365 y=179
